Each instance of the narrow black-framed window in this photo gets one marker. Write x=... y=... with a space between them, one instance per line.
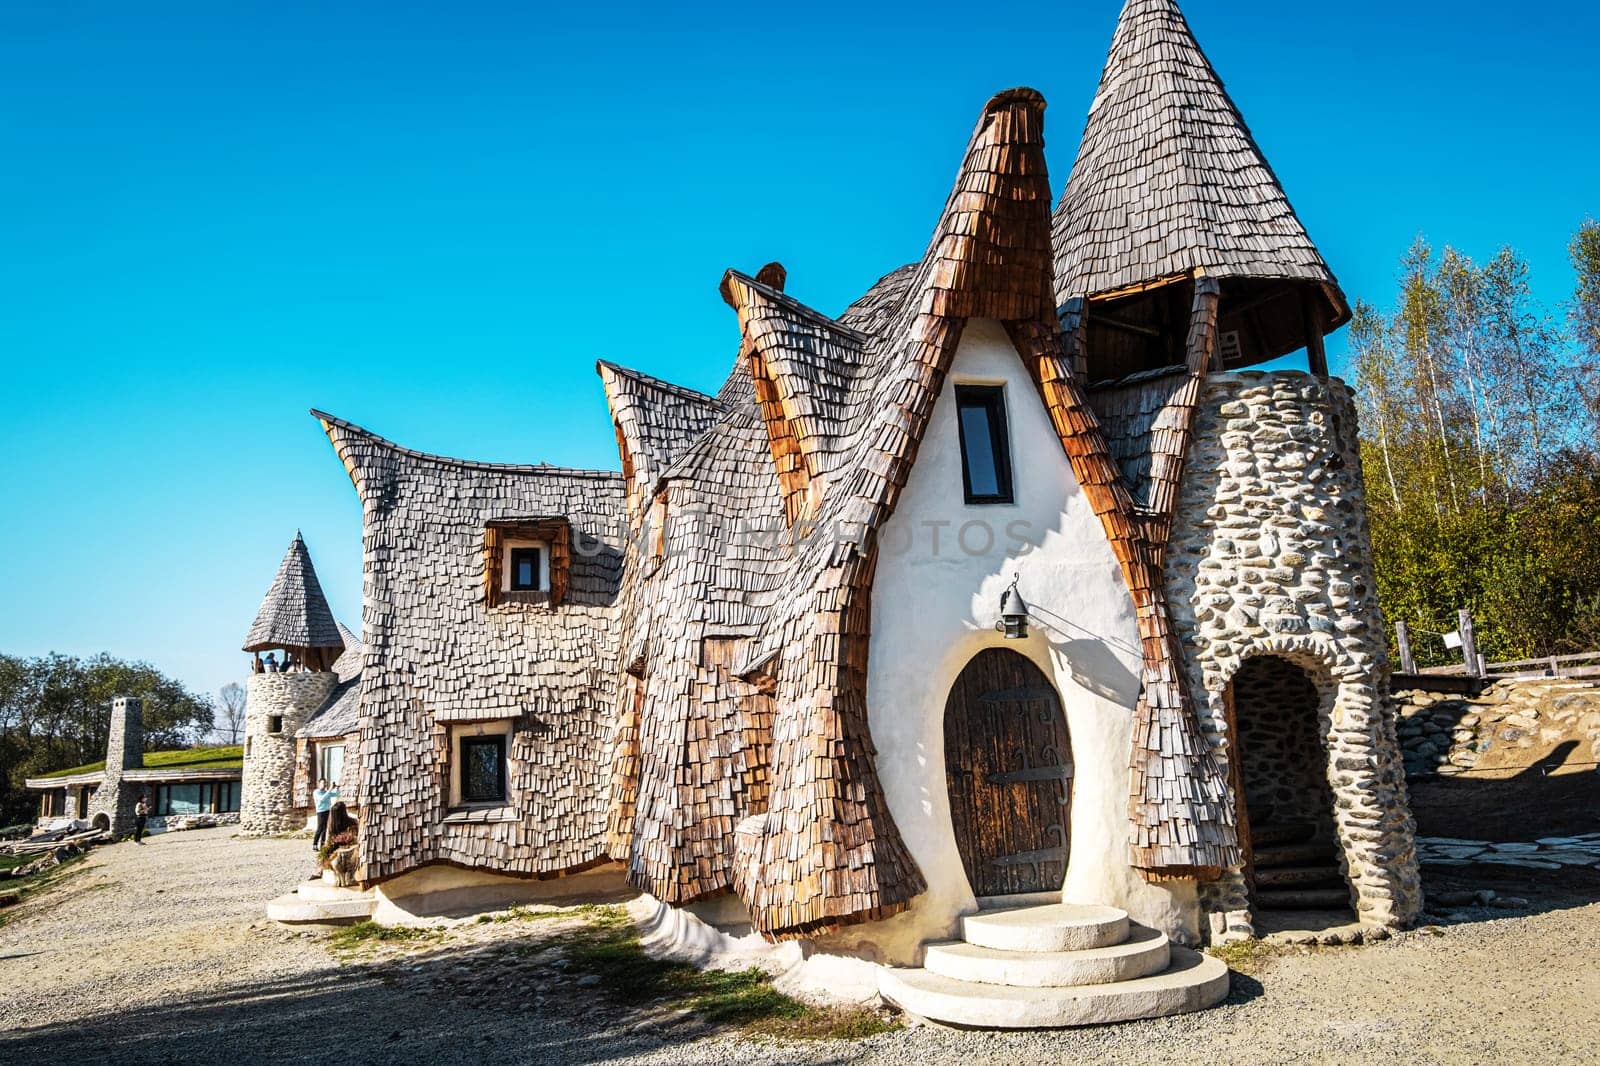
x=483 y=769
x=985 y=444
x=525 y=565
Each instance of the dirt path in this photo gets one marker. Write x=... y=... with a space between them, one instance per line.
x=161 y=954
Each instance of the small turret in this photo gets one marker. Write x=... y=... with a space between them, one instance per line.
x=294 y=618
x=1170 y=186
x=297 y=631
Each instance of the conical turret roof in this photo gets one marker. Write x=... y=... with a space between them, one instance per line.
x=295 y=614
x=1168 y=178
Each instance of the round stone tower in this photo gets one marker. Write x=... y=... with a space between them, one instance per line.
x=296 y=633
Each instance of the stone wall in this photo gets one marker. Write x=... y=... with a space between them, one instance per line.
x=1510 y=725
x=124 y=751
x=266 y=802
x=1272 y=556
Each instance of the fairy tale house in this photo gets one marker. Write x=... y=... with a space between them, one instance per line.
x=1011 y=586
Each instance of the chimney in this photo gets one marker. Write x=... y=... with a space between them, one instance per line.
x=125 y=746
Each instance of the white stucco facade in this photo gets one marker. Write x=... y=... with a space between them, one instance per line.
x=943 y=567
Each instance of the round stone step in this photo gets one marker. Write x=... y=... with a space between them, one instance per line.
x=1145 y=952
x=1052 y=927
x=1192 y=982
x=294 y=908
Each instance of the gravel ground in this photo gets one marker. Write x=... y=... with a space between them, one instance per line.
x=160 y=953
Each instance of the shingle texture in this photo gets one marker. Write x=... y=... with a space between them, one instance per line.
x=295 y=614
x=1168 y=178
x=437 y=655
x=341 y=714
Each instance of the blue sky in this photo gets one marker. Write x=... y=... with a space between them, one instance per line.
x=431 y=219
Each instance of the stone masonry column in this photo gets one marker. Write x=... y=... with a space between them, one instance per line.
x=278 y=705
x=124 y=751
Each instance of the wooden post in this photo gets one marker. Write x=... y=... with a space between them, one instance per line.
x=1402 y=639
x=1316 y=354
x=1469 y=645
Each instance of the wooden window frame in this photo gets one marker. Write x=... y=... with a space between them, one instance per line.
x=498 y=533
x=992 y=398
x=499 y=742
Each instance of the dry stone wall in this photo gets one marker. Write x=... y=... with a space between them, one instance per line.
x=1511 y=725
x=1272 y=557
x=287 y=701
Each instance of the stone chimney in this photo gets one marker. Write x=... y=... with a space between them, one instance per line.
x=125 y=746
x=112 y=804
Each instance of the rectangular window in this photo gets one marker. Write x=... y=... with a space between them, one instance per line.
x=985 y=443
x=483 y=769
x=330 y=761
x=183 y=799
x=525 y=569
x=274 y=723
x=227 y=797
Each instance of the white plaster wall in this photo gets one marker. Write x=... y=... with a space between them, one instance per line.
x=935 y=601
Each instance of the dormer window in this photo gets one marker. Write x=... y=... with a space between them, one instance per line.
x=526 y=561
x=526 y=572
x=985 y=444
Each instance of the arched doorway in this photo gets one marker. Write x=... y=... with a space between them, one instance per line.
x=1008 y=765
x=1280 y=768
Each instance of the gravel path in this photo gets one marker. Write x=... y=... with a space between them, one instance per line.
x=160 y=953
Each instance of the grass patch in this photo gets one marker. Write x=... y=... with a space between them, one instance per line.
x=608 y=947
x=367 y=935
x=34 y=884
x=1248 y=957
x=226 y=757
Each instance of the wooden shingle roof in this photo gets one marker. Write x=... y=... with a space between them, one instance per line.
x=295 y=614
x=1168 y=178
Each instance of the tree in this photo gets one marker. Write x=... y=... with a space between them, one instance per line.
x=1485 y=490
x=230 y=711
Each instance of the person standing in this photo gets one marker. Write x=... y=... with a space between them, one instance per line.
x=325 y=798
x=141 y=811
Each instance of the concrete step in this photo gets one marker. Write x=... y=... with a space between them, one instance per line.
x=295 y=908
x=1280 y=833
x=1145 y=952
x=1293 y=855
x=1300 y=899
x=1192 y=982
x=1322 y=875
x=1050 y=927
x=321 y=891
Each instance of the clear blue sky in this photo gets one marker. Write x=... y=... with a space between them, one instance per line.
x=431 y=219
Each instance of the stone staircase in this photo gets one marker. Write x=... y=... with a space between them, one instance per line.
x=1294 y=870
x=322 y=901
x=1055 y=965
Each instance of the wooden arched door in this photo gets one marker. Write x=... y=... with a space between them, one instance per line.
x=1008 y=764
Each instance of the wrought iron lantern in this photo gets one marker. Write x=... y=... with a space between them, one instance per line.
x=1013 y=614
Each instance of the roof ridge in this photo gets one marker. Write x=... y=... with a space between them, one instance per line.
x=660 y=383
x=467 y=464
x=784 y=300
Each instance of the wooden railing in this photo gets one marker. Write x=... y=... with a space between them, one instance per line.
x=1583 y=664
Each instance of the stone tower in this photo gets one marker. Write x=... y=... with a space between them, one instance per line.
x=115 y=800
x=295 y=628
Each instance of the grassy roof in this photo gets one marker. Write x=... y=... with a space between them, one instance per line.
x=226 y=757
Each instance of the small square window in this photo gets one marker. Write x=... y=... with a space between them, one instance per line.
x=483 y=769
x=985 y=444
x=526 y=565
x=274 y=723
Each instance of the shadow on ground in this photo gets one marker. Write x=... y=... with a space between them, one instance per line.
x=463 y=1005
